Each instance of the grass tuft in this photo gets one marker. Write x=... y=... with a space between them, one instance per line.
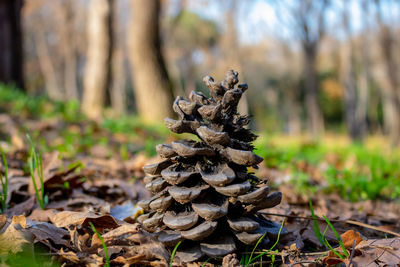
x=102 y=243
x=321 y=237
x=173 y=253
x=35 y=163
x=4 y=182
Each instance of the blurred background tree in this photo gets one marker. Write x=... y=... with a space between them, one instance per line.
x=11 y=42
x=313 y=67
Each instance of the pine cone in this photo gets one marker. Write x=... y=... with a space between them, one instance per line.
x=204 y=194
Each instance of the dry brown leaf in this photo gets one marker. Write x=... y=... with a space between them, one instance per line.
x=378 y=252
x=15 y=238
x=16 y=185
x=128 y=261
x=3 y=220
x=230 y=260
x=42 y=215
x=79 y=241
x=348 y=238
x=22 y=208
x=101 y=222
x=140 y=242
x=69 y=256
x=19 y=219
x=43 y=232
x=118 y=235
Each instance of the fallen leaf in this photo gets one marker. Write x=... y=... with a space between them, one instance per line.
x=128 y=261
x=3 y=221
x=19 y=219
x=22 y=208
x=348 y=238
x=378 y=252
x=140 y=242
x=41 y=215
x=15 y=238
x=101 y=222
x=44 y=232
x=69 y=255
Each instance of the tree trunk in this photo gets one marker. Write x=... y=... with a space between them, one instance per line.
x=47 y=68
x=230 y=45
x=152 y=87
x=354 y=119
x=98 y=67
x=118 y=94
x=314 y=113
x=11 y=70
x=364 y=78
x=350 y=92
x=69 y=52
x=390 y=97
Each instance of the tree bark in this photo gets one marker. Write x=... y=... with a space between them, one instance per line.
x=355 y=114
x=11 y=70
x=390 y=94
x=314 y=113
x=47 y=68
x=152 y=87
x=118 y=94
x=98 y=67
x=230 y=45
x=391 y=103
x=69 y=52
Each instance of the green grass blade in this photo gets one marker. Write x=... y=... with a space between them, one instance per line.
x=35 y=163
x=102 y=243
x=332 y=249
x=173 y=253
x=4 y=182
x=315 y=227
x=274 y=245
x=337 y=236
x=204 y=263
x=258 y=242
x=40 y=173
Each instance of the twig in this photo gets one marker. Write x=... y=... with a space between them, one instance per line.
x=372 y=227
x=333 y=220
x=352 y=253
x=300 y=262
x=284 y=253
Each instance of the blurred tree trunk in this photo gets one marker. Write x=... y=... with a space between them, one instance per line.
x=314 y=113
x=118 y=94
x=290 y=91
x=69 y=51
x=390 y=91
x=11 y=64
x=47 y=68
x=365 y=75
x=355 y=123
x=230 y=46
x=98 y=67
x=118 y=83
x=152 y=87
x=310 y=17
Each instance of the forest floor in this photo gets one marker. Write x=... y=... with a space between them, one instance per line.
x=92 y=179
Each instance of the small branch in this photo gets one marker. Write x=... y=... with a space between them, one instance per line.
x=333 y=220
x=352 y=253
